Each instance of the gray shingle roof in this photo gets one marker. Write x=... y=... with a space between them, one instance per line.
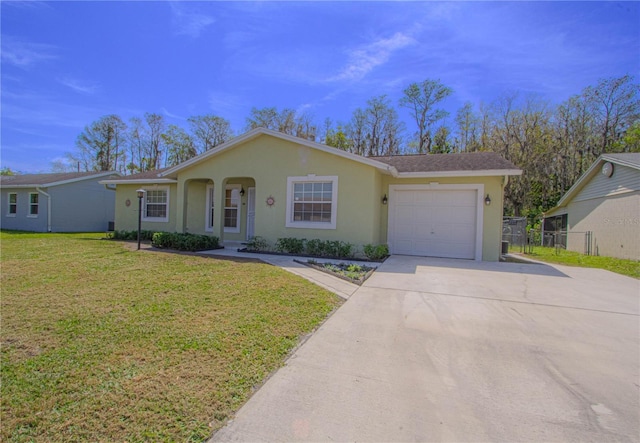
x=151 y=175
x=47 y=179
x=472 y=161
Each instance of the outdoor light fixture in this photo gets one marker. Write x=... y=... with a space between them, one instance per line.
x=242 y=191
x=140 y=193
x=385 y=200
x=487 y=200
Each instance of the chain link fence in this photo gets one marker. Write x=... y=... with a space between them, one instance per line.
x=516 y=238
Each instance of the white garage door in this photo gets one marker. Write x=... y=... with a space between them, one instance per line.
x=440 y=223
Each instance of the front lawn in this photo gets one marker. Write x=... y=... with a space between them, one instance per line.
x=104 y=343
x=630 y=268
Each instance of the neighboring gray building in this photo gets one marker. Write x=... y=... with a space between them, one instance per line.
x=605 y=201
x=61 y=202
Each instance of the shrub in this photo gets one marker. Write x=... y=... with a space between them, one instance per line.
x=315 y=247
x=290 y=245
x=184 y=242
x=257 y=243
x=338 y=249
x=132 y=235
x=377 y=252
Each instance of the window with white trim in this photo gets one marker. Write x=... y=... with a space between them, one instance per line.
x=156 y=205
x=312 y=202
x=33 y=204
x=12 y=210
x=232 y=209
x=232 y=204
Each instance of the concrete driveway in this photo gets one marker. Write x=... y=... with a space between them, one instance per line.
x=451 y=350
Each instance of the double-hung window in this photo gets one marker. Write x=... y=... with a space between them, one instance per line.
x=312 y=202
x=33 y=204
x=232 y=204
x=156 y=205
x=12 y=210
x=232 y=208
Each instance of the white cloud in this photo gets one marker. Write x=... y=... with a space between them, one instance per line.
x=364 y=59
x=170 y=115
x=191 y=23
x=25 y=54
x=79 y=86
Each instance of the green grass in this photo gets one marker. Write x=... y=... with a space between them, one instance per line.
x=630 y=268
x=104 y=343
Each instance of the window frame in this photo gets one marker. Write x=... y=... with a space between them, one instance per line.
x=238 y=209
x=14 y=204
x=32 y=205
x=144 y=205
x=209 y=213
x=292 y=181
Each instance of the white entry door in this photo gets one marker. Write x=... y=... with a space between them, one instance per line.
x=251 y=212
x=436 y=223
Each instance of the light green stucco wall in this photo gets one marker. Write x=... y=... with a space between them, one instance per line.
x=492 y=214
x=266 y=162
x=127 y=216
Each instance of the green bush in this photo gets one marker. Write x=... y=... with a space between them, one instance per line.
x=184 y=242
x=376 y=252
x=338 y=249
x=132 y=235
x=290 y=245
x=315 y=247
x=257 y=243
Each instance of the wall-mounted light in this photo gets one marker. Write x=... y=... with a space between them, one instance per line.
x=487 y=200
x=242 y=191
x=385 y=200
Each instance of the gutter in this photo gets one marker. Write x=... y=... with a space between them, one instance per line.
x=48 y=207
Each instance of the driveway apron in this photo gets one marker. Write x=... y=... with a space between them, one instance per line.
x=452 y=350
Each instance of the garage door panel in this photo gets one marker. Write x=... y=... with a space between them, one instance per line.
x=438 y=223
x=404 y=197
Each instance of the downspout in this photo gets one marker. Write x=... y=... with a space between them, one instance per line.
x=48 y=207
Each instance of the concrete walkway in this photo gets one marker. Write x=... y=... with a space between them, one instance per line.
x=451 y=350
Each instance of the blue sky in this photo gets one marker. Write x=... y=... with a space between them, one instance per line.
x=66 y=64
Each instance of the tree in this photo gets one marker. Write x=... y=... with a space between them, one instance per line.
x=179 y=145
x=100 y=145
x=421 y=99
x=209 y=131
x=441 y=141
x=286 y=121
x=376 y=129
x=7 y=171
x=467 y=129
x=336 y=138
x=615 y=105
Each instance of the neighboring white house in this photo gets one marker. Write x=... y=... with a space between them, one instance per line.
x=604 y=202
x=61 y=202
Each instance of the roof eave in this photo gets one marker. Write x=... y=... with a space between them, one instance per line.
x=61 y=182
x=151 y=181
x=618 y=161
x=478 y=173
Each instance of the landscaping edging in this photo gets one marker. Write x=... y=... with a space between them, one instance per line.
x=358 y=282
x=324 y=257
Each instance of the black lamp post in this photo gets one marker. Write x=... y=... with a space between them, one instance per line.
x=140 y=197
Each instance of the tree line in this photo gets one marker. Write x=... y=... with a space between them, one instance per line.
x=553 y=145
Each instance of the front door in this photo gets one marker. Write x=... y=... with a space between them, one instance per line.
x=251 y=212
